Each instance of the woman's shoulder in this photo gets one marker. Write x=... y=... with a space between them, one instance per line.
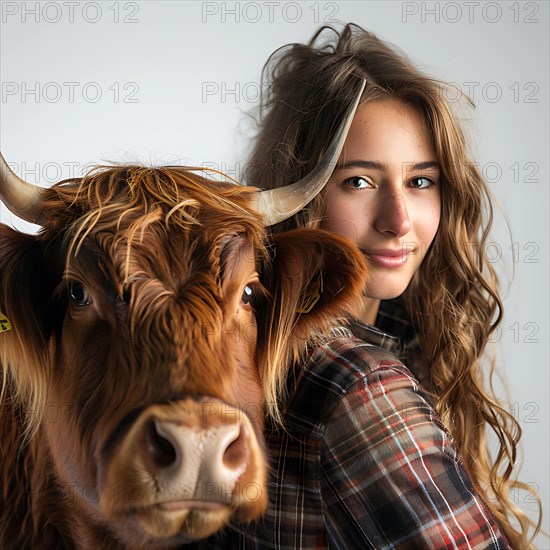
x=334 y=369
x=341 y=361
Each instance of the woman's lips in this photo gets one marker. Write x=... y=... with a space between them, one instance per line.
x=388 y=258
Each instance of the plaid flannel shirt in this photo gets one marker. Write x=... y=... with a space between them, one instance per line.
x=364 y=461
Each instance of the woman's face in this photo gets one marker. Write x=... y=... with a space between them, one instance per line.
x=385 y=193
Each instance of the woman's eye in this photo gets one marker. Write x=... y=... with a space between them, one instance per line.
x=421 y=183
x=79 y=294
x=357 y=182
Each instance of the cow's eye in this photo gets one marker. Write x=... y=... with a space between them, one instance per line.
x=248 y=295
x=80 y=294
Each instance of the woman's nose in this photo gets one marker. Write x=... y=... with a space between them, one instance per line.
x=392 y=216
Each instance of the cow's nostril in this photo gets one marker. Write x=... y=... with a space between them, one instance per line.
x=236 y=453
x=161 y=451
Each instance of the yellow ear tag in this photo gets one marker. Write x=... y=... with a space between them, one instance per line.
x=5 y=324
x=313 y=293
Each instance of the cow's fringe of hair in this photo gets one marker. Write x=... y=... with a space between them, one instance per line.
x=154 y=194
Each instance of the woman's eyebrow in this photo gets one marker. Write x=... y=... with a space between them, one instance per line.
x=375 y=165
x=372 y=164
x=410 y=166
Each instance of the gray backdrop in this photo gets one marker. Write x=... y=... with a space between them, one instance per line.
x=168 y=82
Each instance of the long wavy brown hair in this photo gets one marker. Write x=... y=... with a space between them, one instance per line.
x=453 y=300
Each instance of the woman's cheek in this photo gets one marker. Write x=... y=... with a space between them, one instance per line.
x=429 y=227
x=342 y=218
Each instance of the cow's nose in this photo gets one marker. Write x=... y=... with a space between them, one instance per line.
x=160 y=450
x=187 y=455
x=171 y=465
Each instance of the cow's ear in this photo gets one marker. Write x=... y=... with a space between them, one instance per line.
x=315 y=278
x=24 y=295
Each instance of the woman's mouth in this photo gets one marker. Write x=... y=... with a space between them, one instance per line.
x=388 y=258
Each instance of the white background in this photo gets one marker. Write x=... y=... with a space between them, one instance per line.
x=168 y=82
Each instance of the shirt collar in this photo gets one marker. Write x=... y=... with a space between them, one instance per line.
x=369 y=334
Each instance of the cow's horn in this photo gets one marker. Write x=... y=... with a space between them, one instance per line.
x=22 y=199
x=281 y=203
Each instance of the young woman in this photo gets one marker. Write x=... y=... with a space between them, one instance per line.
x=387 y=472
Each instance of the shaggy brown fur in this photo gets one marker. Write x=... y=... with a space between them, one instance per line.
x=165 y=256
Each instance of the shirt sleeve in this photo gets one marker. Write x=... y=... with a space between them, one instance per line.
x=392 y=476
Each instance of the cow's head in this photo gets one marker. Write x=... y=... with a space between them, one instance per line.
x=153 y=323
